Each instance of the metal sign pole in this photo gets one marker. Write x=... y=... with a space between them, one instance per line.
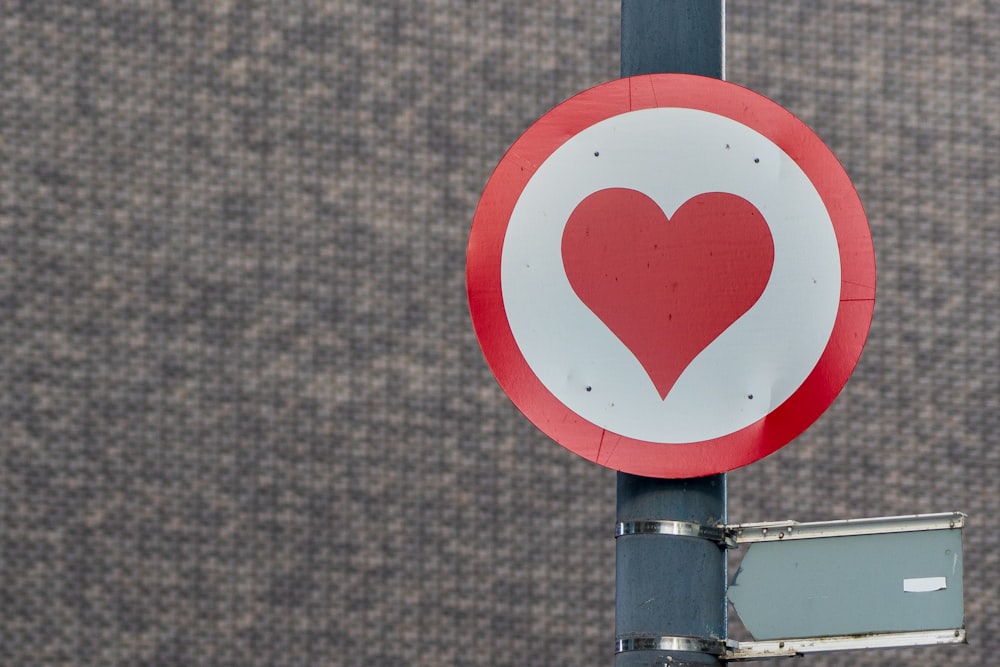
x=670 y=598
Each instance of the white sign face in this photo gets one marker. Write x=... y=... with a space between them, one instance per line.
x=672 y=155
x=671 y=275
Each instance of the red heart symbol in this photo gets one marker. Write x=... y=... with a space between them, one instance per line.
x=667 y=287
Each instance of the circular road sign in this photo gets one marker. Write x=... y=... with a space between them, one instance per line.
x=671 y=275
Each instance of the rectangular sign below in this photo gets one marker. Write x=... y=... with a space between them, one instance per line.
x=850 y=584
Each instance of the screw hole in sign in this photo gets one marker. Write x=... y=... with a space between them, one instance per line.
x=669 y=277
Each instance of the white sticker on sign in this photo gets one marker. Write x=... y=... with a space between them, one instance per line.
x=924 y=584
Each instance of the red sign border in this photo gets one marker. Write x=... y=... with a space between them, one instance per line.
x=640 y=457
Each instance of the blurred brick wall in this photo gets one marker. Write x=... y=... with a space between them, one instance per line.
x=243 y=416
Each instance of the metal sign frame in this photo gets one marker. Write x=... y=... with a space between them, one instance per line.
x=788 y=648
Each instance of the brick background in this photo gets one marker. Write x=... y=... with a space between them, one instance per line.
x=243 y=416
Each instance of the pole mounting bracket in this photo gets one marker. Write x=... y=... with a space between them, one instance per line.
x=708 y=645
x=717 y=533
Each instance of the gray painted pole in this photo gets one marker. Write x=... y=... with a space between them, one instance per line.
x=670 y=586
x=685 y=36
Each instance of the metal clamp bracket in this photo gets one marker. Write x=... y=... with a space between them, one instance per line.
x=685 y=644
x=717 y=534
